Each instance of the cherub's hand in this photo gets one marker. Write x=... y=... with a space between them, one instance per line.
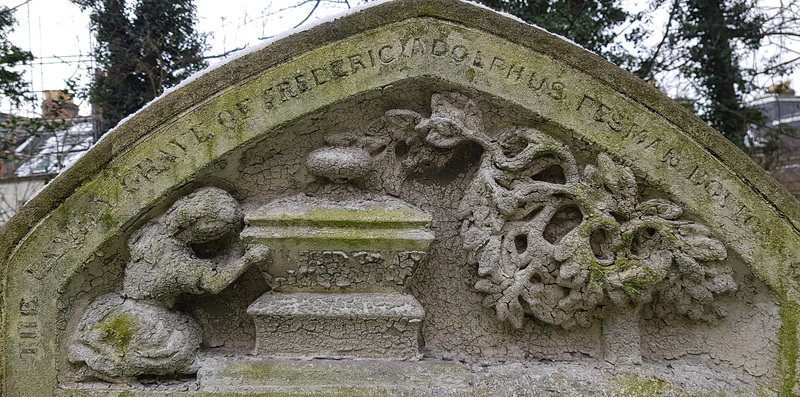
x=256 y=254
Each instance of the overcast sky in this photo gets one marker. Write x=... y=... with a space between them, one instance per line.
x=57 y=33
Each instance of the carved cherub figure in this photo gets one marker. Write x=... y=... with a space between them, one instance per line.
x=181 y=252
x=192 y=249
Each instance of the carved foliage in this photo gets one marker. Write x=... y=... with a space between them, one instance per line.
x=557 y=243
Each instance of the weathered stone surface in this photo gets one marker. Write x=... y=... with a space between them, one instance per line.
x=120 y=339
x=582 y=234
x=314 y=325
x=332 y=377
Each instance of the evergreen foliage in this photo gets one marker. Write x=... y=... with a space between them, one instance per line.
x=142 y=49
x=589 y=23
x=12 y=87
x=704 y=40
x=715 y=34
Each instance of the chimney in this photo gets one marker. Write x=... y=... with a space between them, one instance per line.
x=782 y=89
x=58 y=105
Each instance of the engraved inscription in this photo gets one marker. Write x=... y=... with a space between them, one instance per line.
x=290 y=87
x=493 y=67
x=678 y=159
x=28 y=328
x=498 y=67
x=171 y=153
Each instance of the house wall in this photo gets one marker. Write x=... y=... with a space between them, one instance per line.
x=14 y=192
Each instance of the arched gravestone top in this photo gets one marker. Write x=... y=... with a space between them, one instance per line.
x=421 y=187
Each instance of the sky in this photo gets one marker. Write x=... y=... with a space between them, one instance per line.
x=57 y=33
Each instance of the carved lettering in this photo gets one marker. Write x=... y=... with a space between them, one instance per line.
x=165 y=157
x=201 y=135
x=175 y=149
x=130 y=182
x=691 y=174
x=417 y=48
x=671 y=157
x=243 y=107
x=478 y=61
x=26 y=352
x=516 y=72
x=227 y=119
x=556 y=91
x=718 y=193
x=269 y=98
x=637 y=132
x=654 y=144
x=356 y=62
x=603 y=113
x=321 y=76
x=302 y=83
x=285 y=92
x=337 y=68
x=385 y=54
x=149 y=168
x=29 y=310
x=538 y=86
x=178 y=145
x=497 y=64
x=29 y=306
x=459 y=53
x=439 y=48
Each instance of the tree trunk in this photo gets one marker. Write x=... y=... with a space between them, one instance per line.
x=621 y=337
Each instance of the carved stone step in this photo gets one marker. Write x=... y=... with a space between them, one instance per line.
x=315 y=325
x=338 y=377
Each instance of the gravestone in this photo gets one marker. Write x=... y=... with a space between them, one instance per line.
x=419 y=198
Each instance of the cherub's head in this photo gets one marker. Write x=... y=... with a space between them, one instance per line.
x=207 y=214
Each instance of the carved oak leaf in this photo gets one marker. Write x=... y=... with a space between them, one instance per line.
x=691 y=285
x=661 y=208
x=619 y=182
x=624 y=259
x=557 y=246
x=454 y=117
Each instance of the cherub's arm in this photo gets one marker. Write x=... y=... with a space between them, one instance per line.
x=214 y=281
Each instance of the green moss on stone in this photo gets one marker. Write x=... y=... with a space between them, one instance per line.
x=332 y=392
x=341 y=217
x=644 y=279
x=788 y=347
x=640 y=386
x=108 y=220
x=119 y=329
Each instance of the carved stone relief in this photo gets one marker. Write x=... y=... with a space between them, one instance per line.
x=438 y=201
x=566 y=246
x=340 y=265
x=189 y=250
x=548 y=240
x=336 y=266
